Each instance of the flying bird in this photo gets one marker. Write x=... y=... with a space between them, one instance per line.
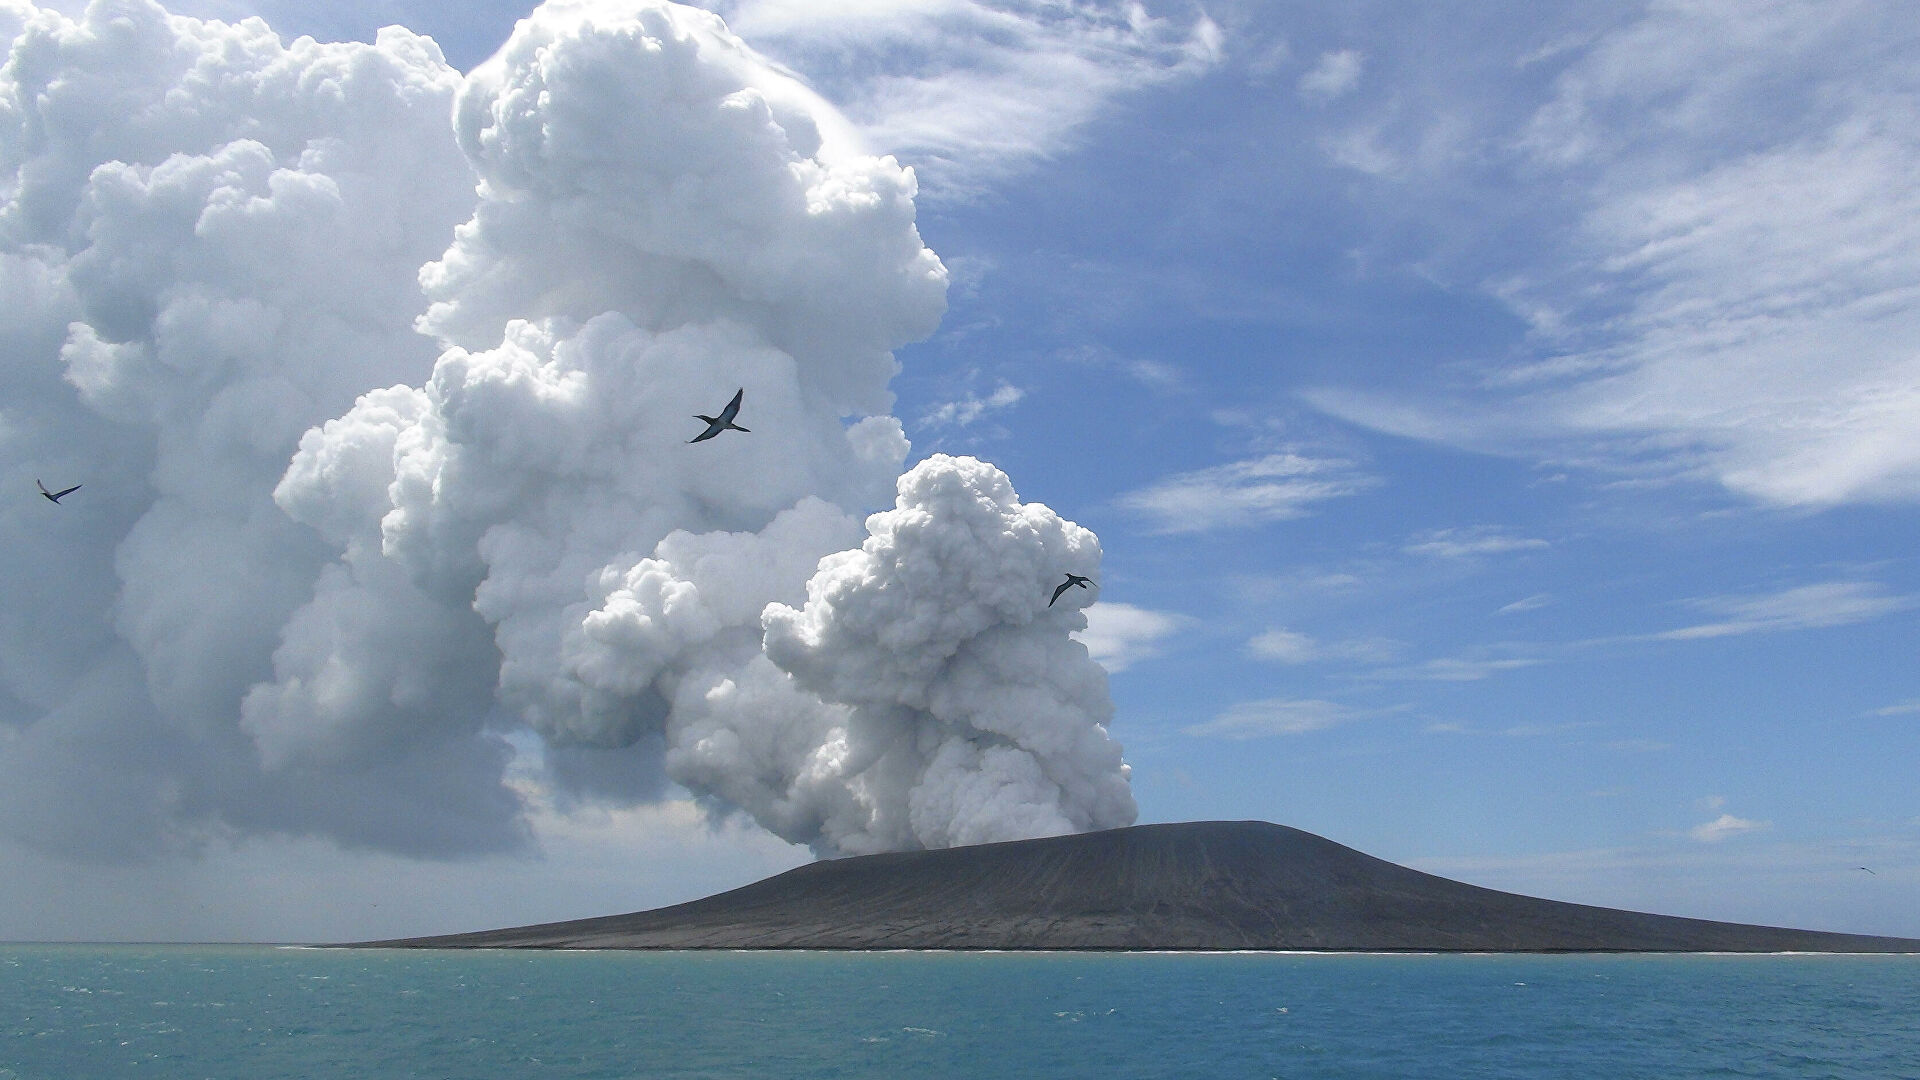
x=723 y=422
x=55 y=496
x=1072 y=580
x=1868 y=871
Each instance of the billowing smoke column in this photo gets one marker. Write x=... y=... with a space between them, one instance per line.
x=282 y=608
x=915 y=691
x=209 y=243
x=983 y=720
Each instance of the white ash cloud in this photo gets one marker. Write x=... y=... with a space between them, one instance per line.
x=933 y=635
x=383 y=423
x=210 y=242
x=914 y=691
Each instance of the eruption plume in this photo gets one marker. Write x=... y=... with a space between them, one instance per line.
x=387 y=423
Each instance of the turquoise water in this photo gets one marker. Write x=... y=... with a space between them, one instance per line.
x=251 y=1013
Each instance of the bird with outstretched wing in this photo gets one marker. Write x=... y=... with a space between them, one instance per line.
x=55 y=496
x=723 y=422
x=1072 y=580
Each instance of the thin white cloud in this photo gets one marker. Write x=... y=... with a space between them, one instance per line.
x=1304 y=581
x=1805 y=607
x=965 y=411
x=1277 y=716
x=1272 y=487
x=1903 y=708
x=1292 y=647
x=1526 y=603
x=1511 y=731
x=1147 y=371
x=1738 y=299
x=1724 y=826
x=1776 y=302
x=1466 y=543
x=1285 y=646
x=1462 y=419
x=1363 y=149
x=1460 y=668
x=1335 y=74
x=967 y=91
x=1121 y=635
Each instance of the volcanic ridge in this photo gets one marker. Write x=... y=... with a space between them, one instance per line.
x=1217 y=885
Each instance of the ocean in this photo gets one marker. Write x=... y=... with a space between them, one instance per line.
x=93 y=1012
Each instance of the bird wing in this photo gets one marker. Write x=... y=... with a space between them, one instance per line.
x=58 y=495
x=733 y=407
x=43 y=489
x=1064 y=586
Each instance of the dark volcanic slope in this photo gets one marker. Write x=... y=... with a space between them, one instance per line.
x=1203 y=885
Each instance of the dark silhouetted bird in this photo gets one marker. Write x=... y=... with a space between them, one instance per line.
x=1868 y=871
x=723 y=422
x=1072 y=580
x=55 y=496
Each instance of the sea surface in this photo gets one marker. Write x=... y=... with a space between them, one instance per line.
x=90 y=1012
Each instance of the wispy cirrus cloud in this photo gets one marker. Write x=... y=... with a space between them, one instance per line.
x=1335 y=74
x=1804 y=607
x=1292 y=647
x=1533 y=730
x=1903 y=708
x=970 y=91
x=1272 y=487
x=1526 y=603
x=1737 y=299
x=972 y=407
x=1459 y=668
x=1271 y=717
x=1470 y=542
x=1148 y=371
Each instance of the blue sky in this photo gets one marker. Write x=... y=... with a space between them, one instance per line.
x=1462 y=617
x=1586 y=534
x=1502 y=427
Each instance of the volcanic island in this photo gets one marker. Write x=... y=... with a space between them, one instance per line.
x=1193 y=886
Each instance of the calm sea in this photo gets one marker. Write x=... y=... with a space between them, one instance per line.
x=253 y=1013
